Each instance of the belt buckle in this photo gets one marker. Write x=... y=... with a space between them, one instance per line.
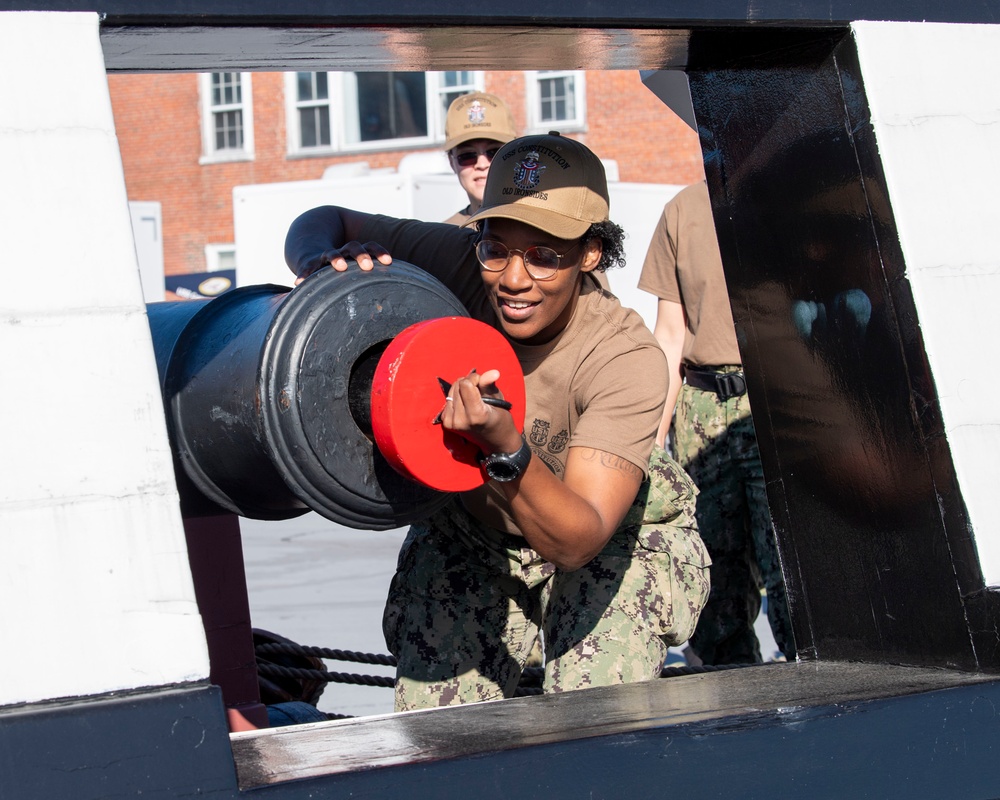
x=730 y=384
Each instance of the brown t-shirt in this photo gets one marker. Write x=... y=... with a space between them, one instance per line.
x=600 y=383
x=683 y=265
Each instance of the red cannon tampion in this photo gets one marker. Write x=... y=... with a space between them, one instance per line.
x=268 y=394
x=407 y=395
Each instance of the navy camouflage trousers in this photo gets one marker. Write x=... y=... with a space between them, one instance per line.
x=714 y=441
x=467 y=602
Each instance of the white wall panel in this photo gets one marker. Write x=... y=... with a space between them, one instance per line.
x=95 y=588
x=934 y=93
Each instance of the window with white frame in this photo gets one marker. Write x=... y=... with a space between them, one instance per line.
x=452 y=85
x=312 y=103
x=219 y=257
x=556 y=99
x=227 y=116
x=356 y=111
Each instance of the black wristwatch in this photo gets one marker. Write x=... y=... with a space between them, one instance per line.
x=504 y=467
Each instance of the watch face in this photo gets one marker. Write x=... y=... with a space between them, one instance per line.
x=502 y=471
x=505 y=467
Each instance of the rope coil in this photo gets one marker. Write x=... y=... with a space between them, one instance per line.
x=325 y=652
x=276 y=671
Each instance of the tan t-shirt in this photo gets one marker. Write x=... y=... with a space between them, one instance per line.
x=683 y=265
x=593 y=386
x=601 y=383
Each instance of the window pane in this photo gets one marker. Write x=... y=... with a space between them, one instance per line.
x=226 y=259
x=557 y=101
x=311 y=86
x=304 y=82
x=324 y=125
x=226 y=89
x=307 y=126
x=314 y=125
x=461 y=78
x=229 y=130
x=391 y=105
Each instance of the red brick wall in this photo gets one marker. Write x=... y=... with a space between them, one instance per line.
x=626 y=122
x=158 y=123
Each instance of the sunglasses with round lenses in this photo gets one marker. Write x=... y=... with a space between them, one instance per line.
x=470 y=157
x=542 y=263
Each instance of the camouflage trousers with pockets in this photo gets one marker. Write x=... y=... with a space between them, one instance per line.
x=467 y=602
x=714 y=440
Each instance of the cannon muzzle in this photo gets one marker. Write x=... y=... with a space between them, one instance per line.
x=267 y=392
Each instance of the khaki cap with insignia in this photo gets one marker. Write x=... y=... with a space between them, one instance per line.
x=550 y=182
x=478 y=116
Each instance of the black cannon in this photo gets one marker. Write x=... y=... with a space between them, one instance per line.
x=267 y=393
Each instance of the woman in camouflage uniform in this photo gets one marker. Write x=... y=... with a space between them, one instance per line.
x=583 y=532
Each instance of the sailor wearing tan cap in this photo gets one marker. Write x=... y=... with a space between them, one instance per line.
x=476 y=126
x=588 y=533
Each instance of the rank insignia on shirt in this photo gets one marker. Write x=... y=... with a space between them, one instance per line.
x=539 y=433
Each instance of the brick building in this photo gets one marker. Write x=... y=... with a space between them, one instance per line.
x=187 y=139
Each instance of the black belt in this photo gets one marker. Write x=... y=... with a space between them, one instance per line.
x=724 y=384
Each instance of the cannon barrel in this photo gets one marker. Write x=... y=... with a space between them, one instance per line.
x=267 y=393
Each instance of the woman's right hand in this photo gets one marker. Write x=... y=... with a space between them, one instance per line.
x=364 y=255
